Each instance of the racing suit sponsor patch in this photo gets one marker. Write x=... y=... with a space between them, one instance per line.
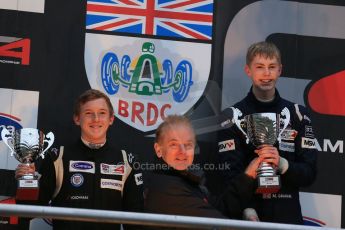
x=138 y=178
x=82 y=166
x=286 y=146
x=226 y=145
x=308 y=143
x=309 y=131
x=289 y=134
x=112 y=169
x=111 y=184
x=77 y=180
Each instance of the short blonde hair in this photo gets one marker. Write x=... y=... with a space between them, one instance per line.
x=266 y=49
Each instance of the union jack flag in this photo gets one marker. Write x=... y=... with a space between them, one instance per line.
x=173 y=18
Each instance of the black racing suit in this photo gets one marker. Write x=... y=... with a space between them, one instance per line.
x=79 y=177
x=297 y=146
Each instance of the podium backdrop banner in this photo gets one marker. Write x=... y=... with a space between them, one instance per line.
x=158 y=57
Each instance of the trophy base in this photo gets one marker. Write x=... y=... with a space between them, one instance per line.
x=27 y=190
x=268 y=184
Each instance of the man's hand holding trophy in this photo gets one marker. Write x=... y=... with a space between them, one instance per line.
x=263 y=130
x=27 y=145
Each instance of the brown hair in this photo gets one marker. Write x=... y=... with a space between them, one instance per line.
x=90 y=95
x=266 y=49
x=170 y=121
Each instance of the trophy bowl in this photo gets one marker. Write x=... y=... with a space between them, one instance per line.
x=28 y=143
x=262 y=128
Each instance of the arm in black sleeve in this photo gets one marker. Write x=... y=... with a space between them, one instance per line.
x=231 y=152
x=133 y=192
x=236 y=197
x=235 y=152
x=302 y=169
x=47 y=181
x=133 y=195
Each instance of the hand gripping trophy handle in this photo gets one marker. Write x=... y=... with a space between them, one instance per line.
x=271 y=183
x=263 y=129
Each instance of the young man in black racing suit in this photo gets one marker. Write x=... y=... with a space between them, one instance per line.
x=90 y=172
x=294 y=156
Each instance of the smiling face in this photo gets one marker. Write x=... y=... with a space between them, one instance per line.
x=176 y=146
x=264 y=72
x=94 y=119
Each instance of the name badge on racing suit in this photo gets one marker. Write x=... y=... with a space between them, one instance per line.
x=111 y=184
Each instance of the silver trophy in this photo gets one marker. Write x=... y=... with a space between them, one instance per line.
x=27 y=145
x=263 y=129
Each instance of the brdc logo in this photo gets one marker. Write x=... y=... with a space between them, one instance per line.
x=145 y=76
x=147 y=79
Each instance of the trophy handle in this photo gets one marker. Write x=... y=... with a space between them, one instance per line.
x=237 y=113
x=6 y=135
x=286 y=113
x=49 y=138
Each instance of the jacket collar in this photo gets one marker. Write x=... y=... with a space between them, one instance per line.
x=253 y=100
